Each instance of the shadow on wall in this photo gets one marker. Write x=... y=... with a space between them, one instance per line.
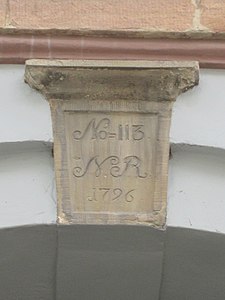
x=110 y=262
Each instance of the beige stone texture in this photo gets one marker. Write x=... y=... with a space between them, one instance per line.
x=3 y=12
x=163 y=15
x=213 y=15
x=111 y=122
x=161 y=18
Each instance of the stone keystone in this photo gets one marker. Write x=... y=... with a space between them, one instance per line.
x=111 y=122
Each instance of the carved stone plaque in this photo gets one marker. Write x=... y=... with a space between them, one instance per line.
x=112 y=159
x=111 y=136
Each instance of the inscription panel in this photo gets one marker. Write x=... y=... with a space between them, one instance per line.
x=111 y=123
x=111 y=161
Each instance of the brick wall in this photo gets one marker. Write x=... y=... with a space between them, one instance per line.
x=153 y=17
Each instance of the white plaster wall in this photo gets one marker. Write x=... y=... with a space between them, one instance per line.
x=198 y=115
x=24 y=114
x=196 y=197
x=196 y=190
x=27 y=184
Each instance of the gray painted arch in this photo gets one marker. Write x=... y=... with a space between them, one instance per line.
x=106 y=262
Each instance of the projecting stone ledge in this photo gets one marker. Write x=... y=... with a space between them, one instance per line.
x=111 y=123
x=111 y=80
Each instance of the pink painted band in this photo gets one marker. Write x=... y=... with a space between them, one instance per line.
x=15 y=49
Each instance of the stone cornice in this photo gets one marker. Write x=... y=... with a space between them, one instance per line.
x=110 y=80
x=16 y=48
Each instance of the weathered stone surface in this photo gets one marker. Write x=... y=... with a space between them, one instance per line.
x=175 y=15
x=213 y=15
x=3 y=13
x=111 y=125
x=142 y=18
